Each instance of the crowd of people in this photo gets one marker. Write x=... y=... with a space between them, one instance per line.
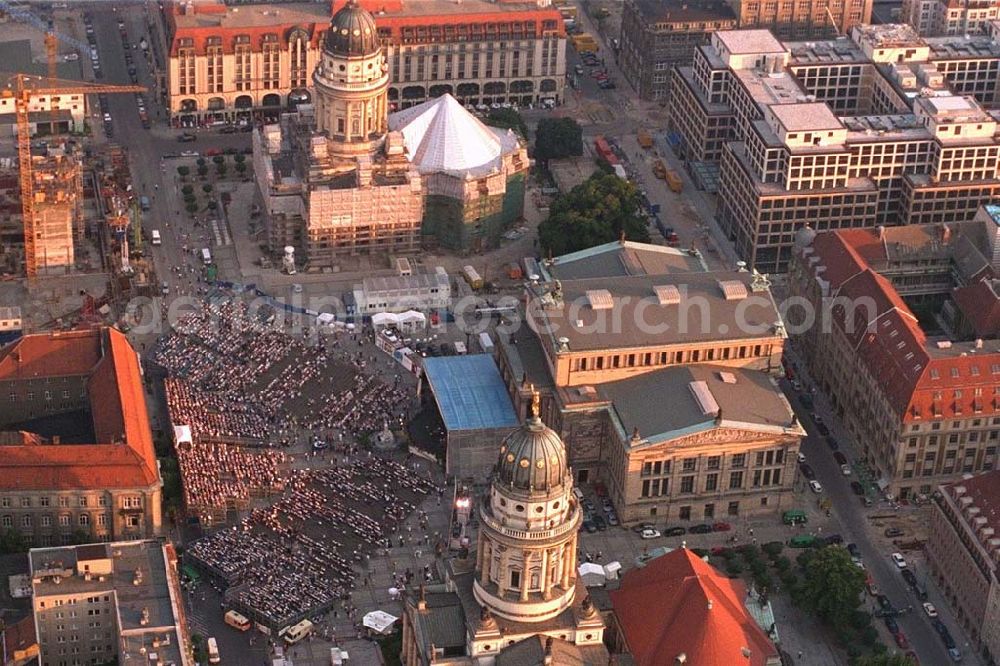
x=230 y=375
x=217 y=475
x=297 y=556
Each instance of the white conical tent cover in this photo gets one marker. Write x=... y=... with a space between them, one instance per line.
x=442 y=136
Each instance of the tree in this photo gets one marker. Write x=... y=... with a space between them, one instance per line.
x=597 y=211
x=221 y=169
x=239 y=158
x=832 y=586
x=507 y=119
x=183 y=171
x=207 y=188
x=556 y=138
x=201 y=162
x=202 y=170
x=886 y=659
x=219 y=159
x=187 y=189
x=192 y=208
x=241 y=168
x=12 y=541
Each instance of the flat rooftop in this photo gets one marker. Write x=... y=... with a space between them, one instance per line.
x=746 y=42
x=806 y=116
x=405 y=283
x=152 y=594
x=253 y=16
x=958 y=47
x=904 y=126
x=621 y=258
x=770 y=88
x=746 y=399
x=888 y=35
x=637 y=311
x=953 y=107
x=841 y=50
x=469 y=392
x=683 y=11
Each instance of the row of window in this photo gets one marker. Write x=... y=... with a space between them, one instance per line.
x=26 y=502
x=643 y=359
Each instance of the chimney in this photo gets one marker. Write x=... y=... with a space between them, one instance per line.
x=680 y=659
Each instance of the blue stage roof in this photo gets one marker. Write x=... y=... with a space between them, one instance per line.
x=469 y=392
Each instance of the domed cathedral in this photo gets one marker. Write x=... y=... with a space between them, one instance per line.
x=519 y=598
x=351 y=84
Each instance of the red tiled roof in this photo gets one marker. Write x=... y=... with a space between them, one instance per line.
x=19 y=639
x=125 y=456
x=984 y=489
x=679 y=603
x=390 y=17
x=72 y=467
x=50 y=355
x=889 y=340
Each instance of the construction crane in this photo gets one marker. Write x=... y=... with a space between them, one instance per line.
x=21 y=88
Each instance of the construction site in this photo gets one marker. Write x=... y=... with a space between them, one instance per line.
x=70 y=225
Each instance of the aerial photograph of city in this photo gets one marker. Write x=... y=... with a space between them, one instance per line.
x=499 y=332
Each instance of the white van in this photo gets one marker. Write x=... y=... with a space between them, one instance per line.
x=156 y=237
x=297 y=632
x=213 y=651
x=206 y=256
x=237 y=621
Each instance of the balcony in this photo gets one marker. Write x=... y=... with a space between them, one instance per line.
x=570 y=525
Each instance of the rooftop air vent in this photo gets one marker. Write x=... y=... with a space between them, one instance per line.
x=733 y=290
x=667 y=294
x=600 y=299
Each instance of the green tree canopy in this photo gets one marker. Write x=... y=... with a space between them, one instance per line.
x=507 y=119
x=219 y=159
x=183 y=171
x=202 y=170
x=239 y=158
x=206 y=188
x=558 y=137
x=832 y=586
x=241 y=167
x=200 y=161
x=187 y=189
x=596 y=211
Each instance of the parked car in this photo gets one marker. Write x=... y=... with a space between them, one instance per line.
x=187 y=138
x=901 y=641
x=891 y=624
x=832 y=443
x=600 y=523
x=823 y=430
x=704 y=528
x=807 y=471
x=589 y=526
x=806 y=400
x=845 y=470
x=955 y=655
x=649 y=534
x=857 y=488
x=840 y=458
x=638 y=529
x=802 y=457
x=834 y=539
x=883 y=602
x=674 y=531
x=898 y=560
x=613 y=519
x=893 y=532
x=855 y=552
x=910 y=578
x=721 y=527
x=816 y=486
x=929 y=609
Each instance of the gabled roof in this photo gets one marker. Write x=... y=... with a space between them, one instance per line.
x=678 y=604
x=123 y=456
x=441 y=136
x=980 y=304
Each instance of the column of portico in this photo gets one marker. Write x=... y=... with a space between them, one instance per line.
x=502 y=575
x=567 y=564
x=525 y=574
x=543 y=577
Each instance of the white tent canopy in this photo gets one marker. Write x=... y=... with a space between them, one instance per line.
x=611 y=569
x=592 y=574
x=409 y=320
x=379 y=621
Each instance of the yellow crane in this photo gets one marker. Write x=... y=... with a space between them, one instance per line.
x=21 y=88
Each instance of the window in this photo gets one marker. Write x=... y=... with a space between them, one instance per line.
x=735 y=480
x=5 y=502
x=43 y=501
x=733 y=509
x=690 y=464
x=714 y=462
x=515 y=579
x=83 y=501
x=711 y=482
x=7 y=521
x=84 y=520
x=685 y=513
x=132 y=502
x=64 y=520
x=25 y=502
x=739 y=460
x=687 y=484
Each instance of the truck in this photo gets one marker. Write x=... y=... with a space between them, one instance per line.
x=645 y=140
x=237 y=621
x=604 y=151
x=472 y=277
x=674 y=181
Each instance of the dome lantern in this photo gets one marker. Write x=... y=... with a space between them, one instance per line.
x=352 y=32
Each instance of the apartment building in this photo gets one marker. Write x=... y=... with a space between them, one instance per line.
x=813 y=19
x=963 y=553
x=656 y=36
x=93 y=474
x=230 y=62
x=934 y=18
x=611 y=328
x=109 y=603
x=884 y=128
x=904 y=341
